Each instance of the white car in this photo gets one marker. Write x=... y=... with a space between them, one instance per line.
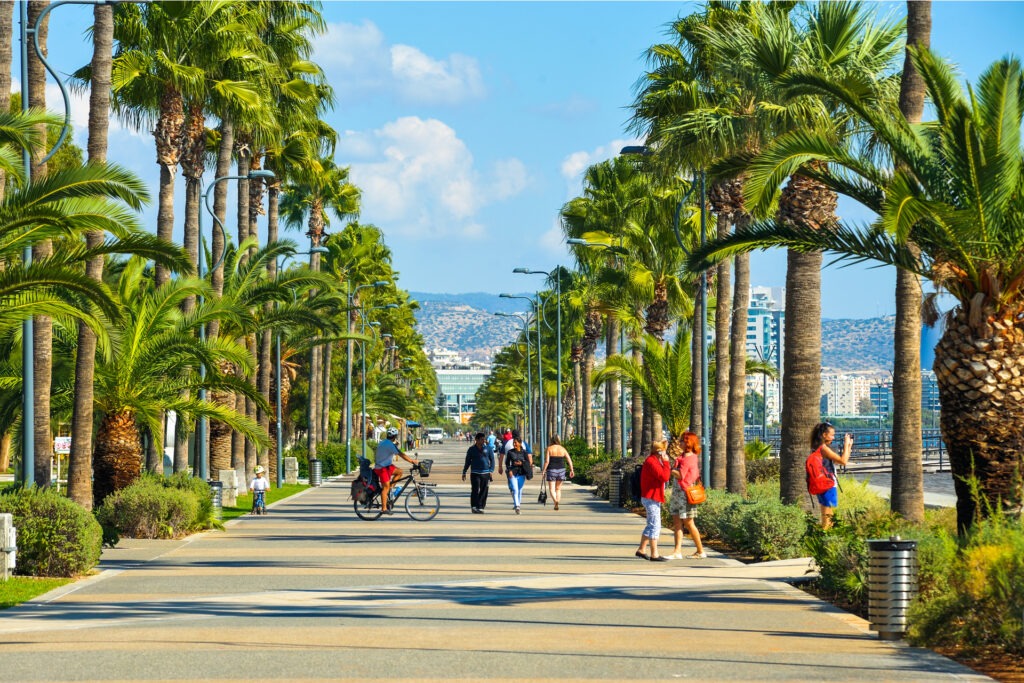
x=435 y=435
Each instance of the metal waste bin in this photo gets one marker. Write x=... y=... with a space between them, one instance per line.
x=615 y=486
x=316 y=477
x=217 y=494
x=892 y=584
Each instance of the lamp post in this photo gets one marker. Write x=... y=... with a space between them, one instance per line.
x=277 y=374
x=348 y=378
x=541 y=428
x=700 y=327
x=201 y=458
x=529 y=381
x=557 y=274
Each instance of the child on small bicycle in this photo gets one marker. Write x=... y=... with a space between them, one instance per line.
x=258 y=486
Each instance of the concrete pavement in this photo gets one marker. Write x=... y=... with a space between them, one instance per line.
x=310 y=592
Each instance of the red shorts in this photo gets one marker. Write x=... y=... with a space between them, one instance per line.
x=384 y=473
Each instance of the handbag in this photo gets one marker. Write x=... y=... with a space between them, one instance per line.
x=528 y=468
x=543 y=497
x=695 y=493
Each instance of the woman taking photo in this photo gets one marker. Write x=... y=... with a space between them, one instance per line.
x=685 y=471
x=556 y=460
x=654 y=475
x=516 y=463
x=822 y=437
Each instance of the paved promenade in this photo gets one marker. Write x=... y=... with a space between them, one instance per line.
x=311 y=593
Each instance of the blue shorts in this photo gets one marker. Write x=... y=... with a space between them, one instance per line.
x=830 y=498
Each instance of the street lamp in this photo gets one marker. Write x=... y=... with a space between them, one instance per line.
x=201 y=459
x=557 y=274
x=541 y=428
x=701 y=327
x=528 y=426
x=348 y=376
x=277 y=377
x=618 y=251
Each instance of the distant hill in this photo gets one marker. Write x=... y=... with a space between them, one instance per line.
x=466 y=323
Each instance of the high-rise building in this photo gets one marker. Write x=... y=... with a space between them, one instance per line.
x=766 y=337
x=457 y=381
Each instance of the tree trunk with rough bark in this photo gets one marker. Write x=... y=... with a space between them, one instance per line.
x=118 y=456
x=736 y=454
x=907 y=496
x=723 y=380
x=42 y=349
x=614 y=405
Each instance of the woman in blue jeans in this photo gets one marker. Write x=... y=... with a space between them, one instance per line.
x=515 y=468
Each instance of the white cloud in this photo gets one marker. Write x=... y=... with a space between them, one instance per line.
x=575 y=165
x=359 y=62
x=421 y=180
x=553 y=240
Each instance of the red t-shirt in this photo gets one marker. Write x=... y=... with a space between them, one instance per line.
x=653 y=475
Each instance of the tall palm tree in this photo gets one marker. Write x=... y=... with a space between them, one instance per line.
x=951 y=191
x=907 y=497
x=80 y=457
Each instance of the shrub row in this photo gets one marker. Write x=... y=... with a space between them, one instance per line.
x=56 y=536
x=760 y=525
x=332 y=457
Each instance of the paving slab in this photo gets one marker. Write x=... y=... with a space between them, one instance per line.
x=311 y=593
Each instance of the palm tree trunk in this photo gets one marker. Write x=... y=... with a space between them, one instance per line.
x=637 y=410
x=907 y=476
x=588 y=407
x=118 y=456
x=720 y=420
x=169 y=133
x=325 y=391
x=5 y=454
x=610 y=433
x=801 y=369
x=696 y=378
x=614 y=406
x=266 y=349
x=155 y=452
x=647 y=431
x=80 y=459
x=737 y=460
x=6 y=59
x=981 y=387
x=577 y=393
x=42 y=349
x=250 y=408
x=220 y=208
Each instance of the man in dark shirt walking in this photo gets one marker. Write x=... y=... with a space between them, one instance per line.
x=480 y=464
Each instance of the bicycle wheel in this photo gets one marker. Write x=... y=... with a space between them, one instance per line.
x=421 y=503
x=368 y=511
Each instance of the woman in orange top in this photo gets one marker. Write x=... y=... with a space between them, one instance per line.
x=685 y=471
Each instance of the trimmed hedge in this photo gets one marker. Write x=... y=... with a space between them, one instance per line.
x=331 y=456
x=56 y=536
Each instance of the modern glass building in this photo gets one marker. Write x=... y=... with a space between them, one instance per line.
x=457 y=382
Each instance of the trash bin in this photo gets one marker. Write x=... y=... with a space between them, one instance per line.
x=217 y=494
x=615 y=486
x=892 y=584
x=316 y=477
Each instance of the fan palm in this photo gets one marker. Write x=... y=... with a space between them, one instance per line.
x=954 y=191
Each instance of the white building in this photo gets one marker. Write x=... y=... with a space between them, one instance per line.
x=458 y=381
x=844 y=394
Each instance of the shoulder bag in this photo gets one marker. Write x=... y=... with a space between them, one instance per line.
x=695 y=494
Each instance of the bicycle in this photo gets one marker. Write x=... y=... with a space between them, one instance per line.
x=259 y=503
x=421 y=501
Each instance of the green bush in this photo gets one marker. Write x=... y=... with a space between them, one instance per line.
x=600 y=476
x=56 y=536
x=713 y=519
x=332 y=457
x=158 y=507
x=982 y=604
x=763 y=469
x=756 y=450
x=772 y=530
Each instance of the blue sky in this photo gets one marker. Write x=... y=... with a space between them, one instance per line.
x=468 y=125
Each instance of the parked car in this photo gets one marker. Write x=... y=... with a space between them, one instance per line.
x=435 y=435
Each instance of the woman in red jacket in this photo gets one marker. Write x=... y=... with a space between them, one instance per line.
x=654 y=475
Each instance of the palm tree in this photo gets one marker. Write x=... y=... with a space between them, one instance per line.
x=80 y=458
x=907 y=496
x=664 y=380
x=154 y=368
x=951 y=191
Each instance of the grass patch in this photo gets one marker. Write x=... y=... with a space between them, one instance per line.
x=244 y=505
x=18 y=589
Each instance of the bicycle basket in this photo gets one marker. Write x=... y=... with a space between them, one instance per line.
x=425 y=466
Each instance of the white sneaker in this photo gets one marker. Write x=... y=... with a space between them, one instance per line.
x=675 y=556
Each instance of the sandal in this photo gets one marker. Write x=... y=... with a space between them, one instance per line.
x=698 y=556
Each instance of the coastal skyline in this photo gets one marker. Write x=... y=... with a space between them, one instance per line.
x=468 y=125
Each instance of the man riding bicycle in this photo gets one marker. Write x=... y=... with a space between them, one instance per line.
x=384 y=468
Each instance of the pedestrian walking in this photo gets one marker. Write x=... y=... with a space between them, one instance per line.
x=556 y=462
x=823 y=457
x=685 y=471
x=654 y=474
x=518 y=468
x=480 y=464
